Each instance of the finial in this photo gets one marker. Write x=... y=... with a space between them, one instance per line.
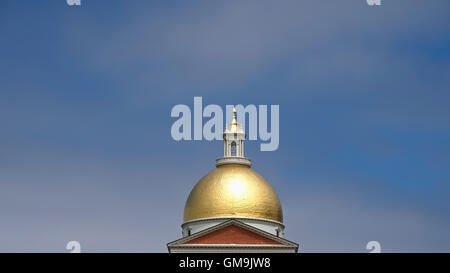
x=233 y=126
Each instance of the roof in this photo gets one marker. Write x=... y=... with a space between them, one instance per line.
x=232 y=233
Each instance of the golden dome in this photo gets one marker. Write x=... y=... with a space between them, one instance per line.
x=233 y=191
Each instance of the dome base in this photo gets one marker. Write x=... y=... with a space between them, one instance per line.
x=194 y=226
x=233 y=160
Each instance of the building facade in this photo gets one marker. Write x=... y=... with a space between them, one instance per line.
x=233 y=208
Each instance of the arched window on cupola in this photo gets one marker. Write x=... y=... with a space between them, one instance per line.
x=233 y=148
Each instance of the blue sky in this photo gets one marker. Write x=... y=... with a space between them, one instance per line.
x=85 y=100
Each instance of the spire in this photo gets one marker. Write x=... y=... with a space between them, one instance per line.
x=234 y=123
x=233 y=127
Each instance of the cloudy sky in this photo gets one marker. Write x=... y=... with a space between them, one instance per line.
x=86 y=93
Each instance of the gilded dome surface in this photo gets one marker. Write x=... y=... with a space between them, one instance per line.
x=233 y=191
